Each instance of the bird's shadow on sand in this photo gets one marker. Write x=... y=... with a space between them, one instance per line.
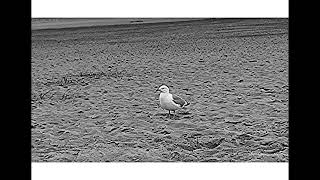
x=175 y=116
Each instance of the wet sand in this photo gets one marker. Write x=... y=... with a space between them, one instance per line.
x=94 y=100
x=62 y=23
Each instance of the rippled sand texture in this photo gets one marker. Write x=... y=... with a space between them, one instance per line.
x=93 y=92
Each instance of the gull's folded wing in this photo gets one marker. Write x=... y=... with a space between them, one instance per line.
x=179 y=101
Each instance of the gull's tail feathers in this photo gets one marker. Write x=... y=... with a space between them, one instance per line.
x=186 y=104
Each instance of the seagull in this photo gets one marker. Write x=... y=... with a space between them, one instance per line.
x=170 y=101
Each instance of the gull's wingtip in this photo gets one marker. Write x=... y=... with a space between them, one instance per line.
x=186 y=104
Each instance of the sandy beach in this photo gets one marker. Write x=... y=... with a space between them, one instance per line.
x=94 y=99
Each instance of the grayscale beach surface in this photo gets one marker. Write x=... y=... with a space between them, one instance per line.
x=94 y=99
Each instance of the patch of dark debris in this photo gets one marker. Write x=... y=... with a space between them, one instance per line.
x=84 y=79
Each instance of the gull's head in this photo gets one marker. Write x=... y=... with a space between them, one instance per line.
x=163 y=89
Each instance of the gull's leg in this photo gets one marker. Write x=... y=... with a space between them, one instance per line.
x=169 y=113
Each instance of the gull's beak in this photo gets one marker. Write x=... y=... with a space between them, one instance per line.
x=157 y=90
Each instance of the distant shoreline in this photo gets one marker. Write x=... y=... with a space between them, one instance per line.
x=61 y=23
